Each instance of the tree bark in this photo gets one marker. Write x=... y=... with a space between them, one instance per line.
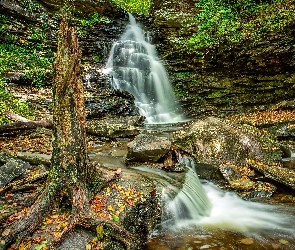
x=69 y=173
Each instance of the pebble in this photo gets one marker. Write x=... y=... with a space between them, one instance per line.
x=247 y=241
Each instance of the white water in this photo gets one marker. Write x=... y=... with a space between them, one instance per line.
x=205 y=205
x=135 y=67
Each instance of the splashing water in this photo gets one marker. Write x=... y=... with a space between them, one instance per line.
x=205 y=205
x=135 y=67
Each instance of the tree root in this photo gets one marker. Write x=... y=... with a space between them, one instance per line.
x=28 y=223
x=91 y=220
x=82 y=215
x=16 y=185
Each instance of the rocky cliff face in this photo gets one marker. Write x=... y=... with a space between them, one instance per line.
x=225 y=79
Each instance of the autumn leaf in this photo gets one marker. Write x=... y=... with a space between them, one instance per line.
x=25 y=245
x=99 y=232
x=110 y=208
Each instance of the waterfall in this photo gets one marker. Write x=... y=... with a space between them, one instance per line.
x=135 y=67
x=190 y=204
x=205 y=205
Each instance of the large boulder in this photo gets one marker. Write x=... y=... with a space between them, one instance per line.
x=148 y=148
x=115 y=127
x=213 y=141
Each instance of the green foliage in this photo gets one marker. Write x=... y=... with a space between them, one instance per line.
x=89 y=22
x=9 y=103
x=31 y=5
x=232 y=21
x=135 y=6
x=180 y=90
x=92 y=20
x=36 y=64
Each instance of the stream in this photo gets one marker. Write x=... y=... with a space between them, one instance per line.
x=201 y=215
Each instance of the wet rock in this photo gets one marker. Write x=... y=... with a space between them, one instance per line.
x=147 y=148
x=95 y=79
x=229 y=171
x=234 y=177
x=214 y=141
x=12 y=169
x=275 y=172
x=262 y=190
x=105 y=102
x=242 y=184
x=115 y=127
x=177 y=167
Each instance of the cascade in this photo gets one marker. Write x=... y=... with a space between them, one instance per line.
x=190 y=204
x=135 y=67
x=202 y=204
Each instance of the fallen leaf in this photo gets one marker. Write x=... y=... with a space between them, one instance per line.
x=6 y=232
x=25 y=245
x=110 y=208
x=284 y=242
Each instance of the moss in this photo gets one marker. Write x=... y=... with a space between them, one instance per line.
x=9 y=103
x=135 y=6
x=230 y=22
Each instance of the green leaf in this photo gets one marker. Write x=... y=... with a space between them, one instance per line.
x=115 y=218
x=40 y=246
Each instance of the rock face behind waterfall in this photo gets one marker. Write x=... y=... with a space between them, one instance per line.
x=218 y=143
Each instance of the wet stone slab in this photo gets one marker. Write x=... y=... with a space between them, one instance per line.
x=12 y=169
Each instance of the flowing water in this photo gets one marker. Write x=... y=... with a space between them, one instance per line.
x=197 y=215
x=200 y=213
x=135 y=67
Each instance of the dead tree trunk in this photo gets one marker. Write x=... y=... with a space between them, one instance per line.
x=69 y=173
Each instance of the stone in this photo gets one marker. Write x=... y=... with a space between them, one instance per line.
x=147 y=148
x=261 y=190
x=12 y=169
x=229 y=171
x=242 y=184
x=103 y=102
x=247 y=241
x=214 y=141
x=115 y=127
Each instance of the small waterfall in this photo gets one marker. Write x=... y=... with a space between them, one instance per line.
x=204 y=205
x=190 y=204
x=135 y=67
